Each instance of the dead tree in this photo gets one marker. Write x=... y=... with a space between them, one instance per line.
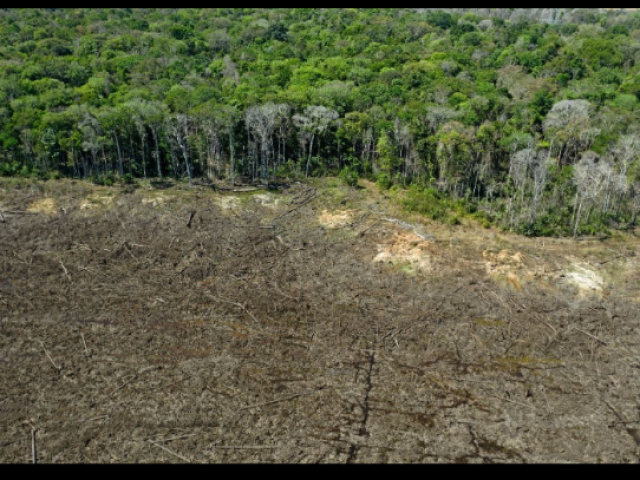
x=262 y=122
x=590 y=177
x=179 y=126
x=314 y=122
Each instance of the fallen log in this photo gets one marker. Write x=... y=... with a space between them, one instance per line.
x=17 y=212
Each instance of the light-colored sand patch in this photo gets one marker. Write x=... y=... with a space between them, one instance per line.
x=94 y=202
x=585 y=279
x=406 y=249
x=227 y=203
x=507 y=264
x=266 y=200
x=154 y=201
x=336 y=220
x=503 y=262
x=46 y=205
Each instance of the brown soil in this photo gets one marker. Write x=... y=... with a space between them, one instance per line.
x=408 y=250
x=187 y=325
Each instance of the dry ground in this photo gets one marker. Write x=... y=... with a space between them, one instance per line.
x=317 y=324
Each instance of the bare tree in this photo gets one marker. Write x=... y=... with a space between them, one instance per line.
x=179 y=127
x=520 y=164
x=627 y=152
x=314 y=122
x=569 y=125
x=231 y=70
x=261 y=121
x=485 y=25
x=228 y=117
x=541 y=175
x=155 y=114
x=138 y=111
x=635 y=203
x=404 y=141
x=91 y=133
x=591 y=176
x=283 y=125
x=209 y=124
x=438 y=116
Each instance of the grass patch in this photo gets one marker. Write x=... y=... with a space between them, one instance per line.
x=483 y=322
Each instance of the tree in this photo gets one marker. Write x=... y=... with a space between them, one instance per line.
x=627 y=152
x=314 y=122
x=635 y=203
x=569 y=125
x=261 y=120
x=92 y=134
x=591 y=175
x=155 y=114
x=179 y=128
x=229 y=117
x=139 y=111
x=437 y=116
x=283 y=125
x=476 y=102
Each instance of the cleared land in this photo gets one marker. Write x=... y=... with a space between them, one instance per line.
x=316 y=324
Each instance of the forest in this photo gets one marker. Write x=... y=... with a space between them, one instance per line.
x=530 y=123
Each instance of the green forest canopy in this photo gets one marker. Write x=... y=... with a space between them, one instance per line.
x=531 y=125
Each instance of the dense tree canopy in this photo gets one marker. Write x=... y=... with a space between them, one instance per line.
x=533 y=124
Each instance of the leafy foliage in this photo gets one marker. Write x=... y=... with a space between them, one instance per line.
x=481 y=112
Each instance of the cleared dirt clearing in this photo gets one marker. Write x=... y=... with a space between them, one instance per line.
x=183 y=330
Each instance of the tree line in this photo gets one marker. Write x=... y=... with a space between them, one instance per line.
x=531 y=125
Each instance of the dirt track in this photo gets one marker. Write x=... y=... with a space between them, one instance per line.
x=318 y=324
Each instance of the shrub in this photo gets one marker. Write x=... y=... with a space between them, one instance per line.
x=9 y=169
x=384 y=182
x=105 y=180
x=128 y=179
x=427 y=202
x=349 y=177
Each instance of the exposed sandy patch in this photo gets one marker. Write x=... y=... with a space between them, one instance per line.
x=507 y=264
x=46 y=206
x=502 y=259
x=94 y=202
x=227 y=203
x=266 y=200
x=335 y=220
x=409 y=249
x=154 y=202
x=510 y=266
x=587 y=280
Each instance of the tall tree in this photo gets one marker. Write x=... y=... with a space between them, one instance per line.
x=314 y=122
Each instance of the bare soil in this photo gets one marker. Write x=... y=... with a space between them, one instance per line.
x=315 y=324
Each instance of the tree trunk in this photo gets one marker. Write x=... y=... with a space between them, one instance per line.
x=120 y=166
x=132 y=160
x=95 y=163
x=185 y=154
x=104 y=159
x=578 y=218
x=76 y=172
x=144 y=162
x=154 y=132
x=313 y=136
x=218 y=151
x=263 y=159
x=233 y=163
